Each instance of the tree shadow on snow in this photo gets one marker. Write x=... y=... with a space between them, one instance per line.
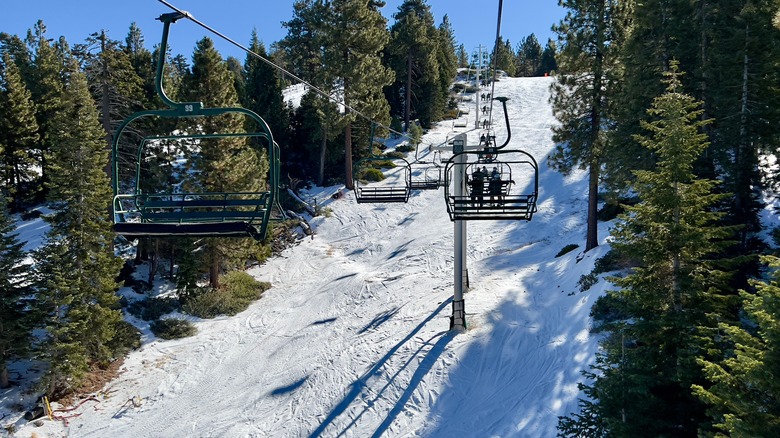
x=430 y=352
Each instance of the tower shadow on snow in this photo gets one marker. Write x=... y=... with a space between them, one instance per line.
x=356 y=388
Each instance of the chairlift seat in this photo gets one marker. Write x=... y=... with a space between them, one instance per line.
x=508 y=207
x=227 y=214
x=477 y=203
x=134 y=230
x=367 y=195
x=378 y=194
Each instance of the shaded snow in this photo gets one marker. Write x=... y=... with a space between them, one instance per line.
x=353 y=341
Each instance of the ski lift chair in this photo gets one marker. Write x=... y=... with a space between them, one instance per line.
x=512 y=197
x=171 y=212
x=380 y=192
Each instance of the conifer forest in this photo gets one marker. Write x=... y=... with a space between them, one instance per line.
x=672 y=107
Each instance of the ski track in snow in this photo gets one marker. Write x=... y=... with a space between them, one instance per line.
x=353 y=341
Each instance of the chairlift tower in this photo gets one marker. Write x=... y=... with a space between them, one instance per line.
x=461 y=273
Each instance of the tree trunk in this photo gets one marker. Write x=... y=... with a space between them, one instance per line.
x=408 y=100
x=592 y=235
x=153 y=261
x=172 y=261
x=323 y=154
x=4 y=383
x=742 y=156
x=349 y=183
x=214 y=269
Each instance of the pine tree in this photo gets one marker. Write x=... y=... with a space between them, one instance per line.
x=220 y=165
x=18 y=133
x=411 y=55
x=581 y=97
x=529 y=54
x=62 y=348
x=357 y=36
x=304 y=48
x=263 y=91
x=303 y=45
x=548 y=63
x=143 y=65
x=447 y=62
x=463 y=56
x=115 y=86
x=77 y=268
x=15 y=47
x=662 y=311
x=655 y=33
x=505 y=59
x=312 y=130
x=47 y=87
x=742 y=94
x=15 y=329
x=744 y=390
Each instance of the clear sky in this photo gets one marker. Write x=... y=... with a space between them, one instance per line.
x=474 y=21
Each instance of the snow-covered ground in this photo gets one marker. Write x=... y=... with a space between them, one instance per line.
x=353 y=340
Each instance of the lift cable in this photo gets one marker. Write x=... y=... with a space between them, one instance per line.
x=495 y=58
x=322 y=93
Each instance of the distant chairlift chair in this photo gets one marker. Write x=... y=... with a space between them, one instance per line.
x=382 y=193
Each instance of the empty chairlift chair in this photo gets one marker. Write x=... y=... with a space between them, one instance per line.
x=382 y=191
x=180 y=203
x=427 y=175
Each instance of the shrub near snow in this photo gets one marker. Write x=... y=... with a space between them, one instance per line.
x=172 y=328
x=238 y=289
x=371 y=174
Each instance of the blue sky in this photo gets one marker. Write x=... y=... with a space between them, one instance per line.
x=474 y=21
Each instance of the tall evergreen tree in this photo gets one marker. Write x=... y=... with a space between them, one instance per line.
x=315 y=125
x=306 y=34
x=504 y=58
x=15 y=329
x=412 y=51
x=142 y=62
x=655 y=33
x=463 y=56
x=581 y=97
x=18 y=134
x=447 y=62
x=529 y=52
x=304 y=48
x=77 y=268
x=744 y=389
x=15 y=47
x=548 y=63
x=47 y=87
x=263 y=91
x=661 y=313
x=220 y=165
x=742 y=94
x=356 y=39
x=113 y=82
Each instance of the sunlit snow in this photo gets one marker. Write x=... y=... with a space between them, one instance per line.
x=353 y=340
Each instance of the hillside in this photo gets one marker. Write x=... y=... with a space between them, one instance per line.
x=352 y=340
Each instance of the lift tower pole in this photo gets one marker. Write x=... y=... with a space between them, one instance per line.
x=458 y=319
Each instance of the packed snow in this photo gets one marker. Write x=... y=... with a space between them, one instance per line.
x=353 y=339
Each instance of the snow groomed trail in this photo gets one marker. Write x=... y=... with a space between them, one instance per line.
x=353 y=340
